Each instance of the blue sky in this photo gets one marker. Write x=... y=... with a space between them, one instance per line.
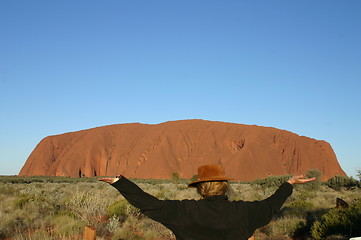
x=72 y=65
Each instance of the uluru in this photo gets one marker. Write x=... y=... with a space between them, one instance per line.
x=156 y=151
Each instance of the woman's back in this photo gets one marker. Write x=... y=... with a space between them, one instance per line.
x=211 y=218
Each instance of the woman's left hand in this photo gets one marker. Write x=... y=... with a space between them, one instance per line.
x=300 y=179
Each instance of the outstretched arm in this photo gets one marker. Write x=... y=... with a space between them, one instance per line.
x=261 y=212
x=134 y=194
x=164 y=211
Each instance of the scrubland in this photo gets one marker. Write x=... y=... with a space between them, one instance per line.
x=41 y=208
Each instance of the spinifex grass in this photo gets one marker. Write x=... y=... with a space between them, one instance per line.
x=59 y=208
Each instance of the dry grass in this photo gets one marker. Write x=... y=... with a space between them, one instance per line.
x=60 y=210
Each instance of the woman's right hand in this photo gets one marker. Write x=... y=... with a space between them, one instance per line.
x=109 y=180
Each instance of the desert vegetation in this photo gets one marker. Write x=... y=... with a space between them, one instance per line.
x=59 y=208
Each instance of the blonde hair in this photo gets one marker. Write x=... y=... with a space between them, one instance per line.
x=210 y=188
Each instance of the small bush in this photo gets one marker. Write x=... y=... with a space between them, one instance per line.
x=271 y=182
x=345 y=222
x=175 y=177
x=122 y=209
x=298 y=208
x=339 y=182
x=118 y=209
x=287 y=226
x=314 y=185
x=314 y=173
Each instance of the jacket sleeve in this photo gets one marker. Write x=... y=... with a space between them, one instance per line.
x=164 y=211
x=260 y=213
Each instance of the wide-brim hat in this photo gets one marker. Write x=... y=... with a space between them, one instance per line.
x=211 y=172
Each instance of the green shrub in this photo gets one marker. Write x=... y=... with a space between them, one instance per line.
x=339 y=182
x=298 y=208
x=314 y=173
x=271 y=182
x=175 y=177
x=301 y=206
x=287 y=226
x=314 y=185
x=122 y=209
x=118 y=208
x=345 y=222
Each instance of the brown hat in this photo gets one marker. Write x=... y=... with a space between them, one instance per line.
x=211 y=172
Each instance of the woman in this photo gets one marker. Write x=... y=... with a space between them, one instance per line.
x=213 y=216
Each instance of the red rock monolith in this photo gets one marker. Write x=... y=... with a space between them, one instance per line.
x=157 y=151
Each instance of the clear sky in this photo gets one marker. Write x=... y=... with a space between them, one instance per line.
x=72 y=65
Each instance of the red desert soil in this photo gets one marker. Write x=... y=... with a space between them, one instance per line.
x=145 y=151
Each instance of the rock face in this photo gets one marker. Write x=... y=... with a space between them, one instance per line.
x=156 y=151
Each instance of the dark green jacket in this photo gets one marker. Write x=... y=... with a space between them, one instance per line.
x=213 y=218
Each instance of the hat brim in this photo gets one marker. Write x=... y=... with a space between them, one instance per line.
x=209 y=179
